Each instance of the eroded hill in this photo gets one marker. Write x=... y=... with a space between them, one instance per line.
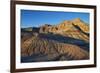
x=68 y=40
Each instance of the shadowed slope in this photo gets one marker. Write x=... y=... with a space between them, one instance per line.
x=46 y=50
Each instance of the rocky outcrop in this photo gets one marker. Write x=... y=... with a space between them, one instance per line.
x=74 y=28
x=83 y=26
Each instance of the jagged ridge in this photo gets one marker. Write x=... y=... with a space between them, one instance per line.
x=74 y=28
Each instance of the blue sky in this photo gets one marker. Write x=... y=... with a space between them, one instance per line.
x=33 y=18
